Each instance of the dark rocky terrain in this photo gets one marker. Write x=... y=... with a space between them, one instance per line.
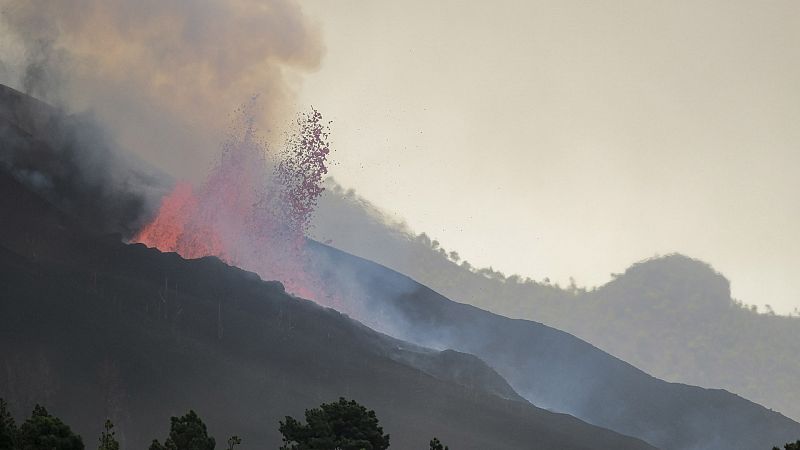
x=93 y=328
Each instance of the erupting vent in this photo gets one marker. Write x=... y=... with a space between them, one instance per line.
x=255 y=206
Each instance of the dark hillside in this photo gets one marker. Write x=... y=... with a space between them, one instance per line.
x=554 y=369
x=96 y=328
x=671 y=316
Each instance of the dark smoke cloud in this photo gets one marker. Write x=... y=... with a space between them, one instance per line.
x=74 y=164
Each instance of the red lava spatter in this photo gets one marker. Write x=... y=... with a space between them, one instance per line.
x=255 y=207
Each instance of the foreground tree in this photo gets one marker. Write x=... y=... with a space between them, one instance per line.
x=343 y=425
x=436 y=445
x=789 y=446
x=186 y=433
x=8 y=429
x=43 y=431
x=233 y=441
x=107 y=439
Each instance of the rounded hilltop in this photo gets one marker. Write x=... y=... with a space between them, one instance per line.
x=671 y=280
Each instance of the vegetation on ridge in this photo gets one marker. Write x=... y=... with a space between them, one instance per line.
x=670 y=316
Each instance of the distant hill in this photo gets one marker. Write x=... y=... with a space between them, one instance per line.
x=670 y=316
x=551 y=368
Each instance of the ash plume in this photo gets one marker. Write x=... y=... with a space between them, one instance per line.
x=161 y=75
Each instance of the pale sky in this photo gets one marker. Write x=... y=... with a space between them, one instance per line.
x=573 y=138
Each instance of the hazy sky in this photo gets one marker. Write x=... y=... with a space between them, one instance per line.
x=572 y=138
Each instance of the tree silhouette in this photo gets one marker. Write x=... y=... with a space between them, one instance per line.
x=436 y=445
x=107 y=439
x=186 y=433
x=43 y=431
x=342 y=425
x=8 y=429
x=233 y=441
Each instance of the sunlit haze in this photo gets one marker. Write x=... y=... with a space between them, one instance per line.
x=558 y=139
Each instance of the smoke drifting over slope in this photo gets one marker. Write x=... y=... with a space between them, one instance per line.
x=163 y=75
x=75 y=165
x=671 y=316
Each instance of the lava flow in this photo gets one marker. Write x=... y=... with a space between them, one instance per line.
x=254 y=208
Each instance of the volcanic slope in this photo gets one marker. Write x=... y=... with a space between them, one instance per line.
x=94 y=328
x=672 y=316
x=551 y=368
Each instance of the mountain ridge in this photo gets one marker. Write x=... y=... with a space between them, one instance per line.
x=553 y=368
x=709 y=340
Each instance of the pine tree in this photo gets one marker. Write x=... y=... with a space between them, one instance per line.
x=43 y=431
x=186 y=433
x=344 y=425
x=436 y=445
x=107 y=439
x=8 y=429
x=233 y=441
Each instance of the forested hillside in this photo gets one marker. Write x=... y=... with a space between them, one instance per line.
x=671 y=316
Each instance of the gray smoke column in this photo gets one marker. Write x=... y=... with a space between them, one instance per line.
x=161 y=75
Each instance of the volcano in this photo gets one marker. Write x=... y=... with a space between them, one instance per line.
x=96 y=327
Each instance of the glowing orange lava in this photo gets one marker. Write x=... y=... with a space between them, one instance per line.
x=249 y=215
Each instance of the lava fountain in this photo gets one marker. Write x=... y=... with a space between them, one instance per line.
x=255 y=206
